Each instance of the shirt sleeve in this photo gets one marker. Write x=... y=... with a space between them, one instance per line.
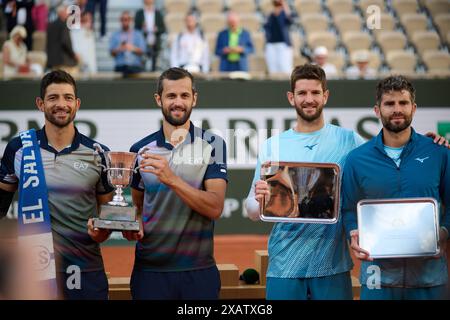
x=217 y=167
x=7 y=173
x=358 y=140
x=351 y=194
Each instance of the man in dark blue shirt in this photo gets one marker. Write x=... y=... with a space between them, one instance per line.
x=398 y=163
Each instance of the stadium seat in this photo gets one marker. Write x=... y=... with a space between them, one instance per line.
x=39 y=41
x=413 y=22
x=297 y=42
x=250 y=21
x=177 y=6
x=401 y=60
x=347 y=22
x=436 y=7
x=356 y=40
x=299 y=60
x=436 y=60
x=213 y=22
x=242 y=6
x=322 y=38
x=265 y=6
x=338 y=59
x=175 y=22
x=259 y=40
x=257 y=63
x=307 y=6
x=387 y=23
x=337 y=7
x=313 y=22
x=391 y=40
x=209 y=6
x=442 y=22
x=39 y=57
x=364 y=4
x=211 y=38
x=426 y=40
x=405 y=6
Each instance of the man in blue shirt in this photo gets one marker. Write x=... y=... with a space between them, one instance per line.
x=306 y=260
x=398 y=163
x=127 y=47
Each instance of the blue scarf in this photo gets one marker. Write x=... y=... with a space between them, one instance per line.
x=35 y=232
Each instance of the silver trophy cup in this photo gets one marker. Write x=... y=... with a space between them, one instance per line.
x=117 y=214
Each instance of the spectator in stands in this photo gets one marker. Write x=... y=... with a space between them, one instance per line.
x=127 y=47
x=361 y=70
x=320 y=56
x=39 y=14
x=91 y=6
x=150 y=22
x=190 y=49
x=83 y=42
x=18 y=12
x=279 y=55
x=14 y=51
x=60 y=54
x=233 y=46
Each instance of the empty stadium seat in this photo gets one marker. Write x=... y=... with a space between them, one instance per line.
x=391 y=40
x=259 y=40
x=39 y=41
x=307 y=6
x=357 y=40
x=296 y=43
x=313 y=22
x=413 y=22
x=257 y=63
x=299 y=60
x=175 y=22
x=242 y=6
x=364 y=4
x=211 y=38
x=322 y=38
x=387 y=23
x=401 y=60
x=209 y=6
x=442 y=22
x=347 y=22
x=426 y=40
x=250 y=21
x=338 y=59
x=177 y=6
x=436 y=7
x=213 y=22
x=436 y=60
x=265 y=6
x=405 y=6
x=340 y=6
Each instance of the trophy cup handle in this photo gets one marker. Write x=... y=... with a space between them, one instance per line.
x=141 y=152
x=99 y=152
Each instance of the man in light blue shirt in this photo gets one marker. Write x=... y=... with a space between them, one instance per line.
x=306 y=260
x=127 y=47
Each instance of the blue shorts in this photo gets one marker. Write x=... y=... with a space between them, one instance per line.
x=93 y=286
x=203 y=284
x=389 y=293
x=335 y=287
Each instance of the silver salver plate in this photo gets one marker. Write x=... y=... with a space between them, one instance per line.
x=399 y=228
x=301 y=192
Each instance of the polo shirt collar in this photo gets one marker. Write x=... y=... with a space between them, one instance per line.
x=161 y=139
x=43 y=142
x=380 y=145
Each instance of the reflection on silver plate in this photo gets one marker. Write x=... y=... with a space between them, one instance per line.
x=301 y=192
x=399 y=228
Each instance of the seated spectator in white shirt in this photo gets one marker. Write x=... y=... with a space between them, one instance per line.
x=320 y=57
x=189 y=49
x=83 y=43
x=361 y=70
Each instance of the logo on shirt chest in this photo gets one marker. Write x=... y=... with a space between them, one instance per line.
x=80 y=166
x=310 y=147
x=421 y=160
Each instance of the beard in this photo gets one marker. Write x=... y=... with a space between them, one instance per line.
x=176 y=122
x=309 y=117
x=393 y=127
x=55 y=120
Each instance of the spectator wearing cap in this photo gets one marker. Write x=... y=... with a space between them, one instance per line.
x=361 y=69
x=15 y=51
x=279 y=54
x=320 y=56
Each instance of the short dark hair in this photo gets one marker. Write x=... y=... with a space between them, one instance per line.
x=174 y=74
x=395 y=83
x=308 y=71
x=57 y=76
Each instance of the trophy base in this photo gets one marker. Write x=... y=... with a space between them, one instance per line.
x=117 y=218
x=116 y=225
